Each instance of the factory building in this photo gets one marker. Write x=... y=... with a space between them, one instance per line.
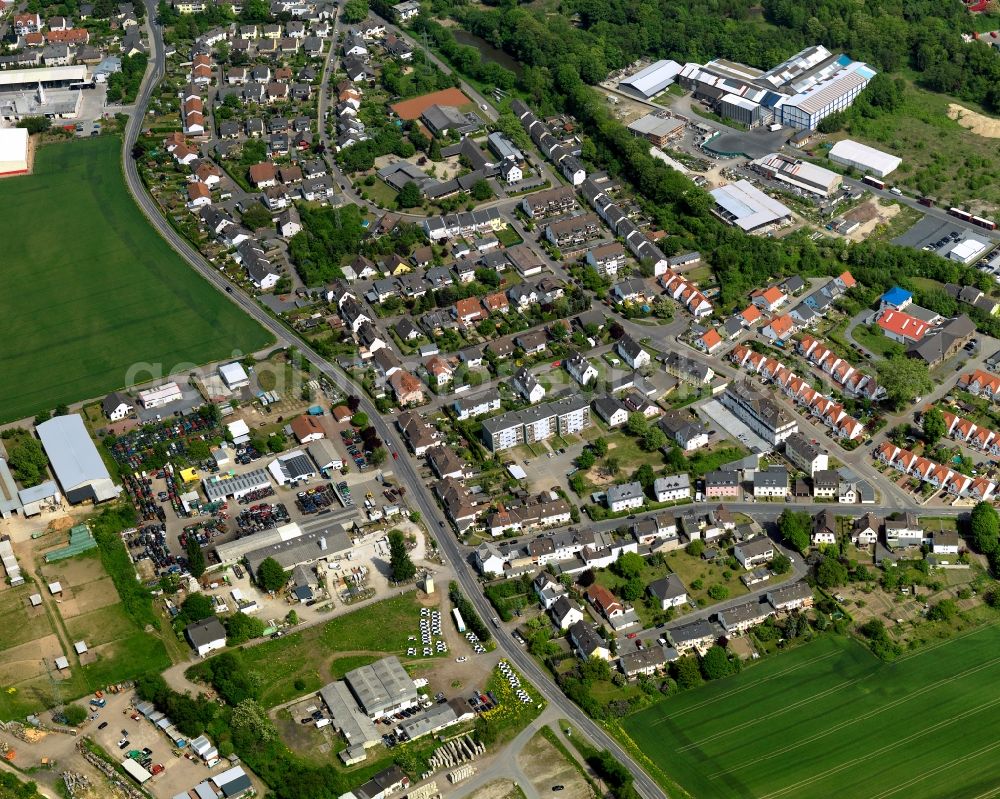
x=800 y=174
x=75 y=460
x=656 y=129
x=864 y=158
x=382 y=688
x=649 y=82
x=797 y=93
x=744 y=205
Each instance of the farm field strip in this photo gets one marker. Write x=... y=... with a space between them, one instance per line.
x=91 y=289
x=831 y=720
x=731 y=694
x=847 y=722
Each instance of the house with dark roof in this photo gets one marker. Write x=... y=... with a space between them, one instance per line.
x=116 y=406
x=668 y=591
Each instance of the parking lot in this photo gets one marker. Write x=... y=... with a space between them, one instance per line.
x=718 y=417
x=179 y=772
x=940 y=236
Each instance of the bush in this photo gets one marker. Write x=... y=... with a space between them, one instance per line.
x=75 y=715
x=241 y=628
x=943 y=611
x=270 y=576
x=716 y=663
x=469 y=614
x=136 y=599
x=879 y=642
x=718 y=592
x=360 y=419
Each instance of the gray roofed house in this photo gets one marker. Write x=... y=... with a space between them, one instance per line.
x=773 y=478
x=669 y=591
x=206 y=635
x=647 y=660
x=399 y=173
x=611 y=410
x=698 y=634
x=943 y=342
x=743 y=617
x=627 y=495
x=117 y=405
x=587 y=642
x=442 y=119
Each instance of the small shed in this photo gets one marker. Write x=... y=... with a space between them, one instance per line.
x=80 y=647
x=62 y=663
x=55 y=588
x=35 y=600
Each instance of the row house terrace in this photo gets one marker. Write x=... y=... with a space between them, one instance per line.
x=854 y=382
x=192 y=111
x=821 y=407
x=972 y=435
x=980 y=384
x=939 y=476
x=686 y=293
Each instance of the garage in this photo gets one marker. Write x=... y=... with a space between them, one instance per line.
x=13 y=151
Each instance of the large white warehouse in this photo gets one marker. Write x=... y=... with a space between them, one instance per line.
x=864 y=158
x=75 y=460
x=13 y=151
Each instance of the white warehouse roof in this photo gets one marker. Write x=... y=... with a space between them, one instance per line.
x=747 y=207
x=13 y=150
x=653 y=79
x=15 y=77
x=852 y=153
x=75 y=460
x=968 y=249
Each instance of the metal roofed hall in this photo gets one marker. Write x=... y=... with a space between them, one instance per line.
x=75 y=460
x=306 y=548
x=653 y=125
x=862 y=157
x=216 y=489
x=355 y=726
x=233 y=551
x=747 y=207
x=382 y=686
x=652 y=80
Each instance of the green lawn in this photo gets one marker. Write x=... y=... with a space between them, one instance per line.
x=91 y=289
x=879 y=344
x=380 y=627
x=829 y=719
x=508 y=237
x=691 y=569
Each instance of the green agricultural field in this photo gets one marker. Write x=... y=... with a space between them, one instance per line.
x=90 y=288
x=829 y=719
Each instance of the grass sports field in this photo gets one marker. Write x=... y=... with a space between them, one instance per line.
x=90 y=288
x=828 y=719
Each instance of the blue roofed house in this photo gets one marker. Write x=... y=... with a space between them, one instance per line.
x=896 y=298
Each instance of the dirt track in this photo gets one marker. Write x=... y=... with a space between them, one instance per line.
x=545 y=766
